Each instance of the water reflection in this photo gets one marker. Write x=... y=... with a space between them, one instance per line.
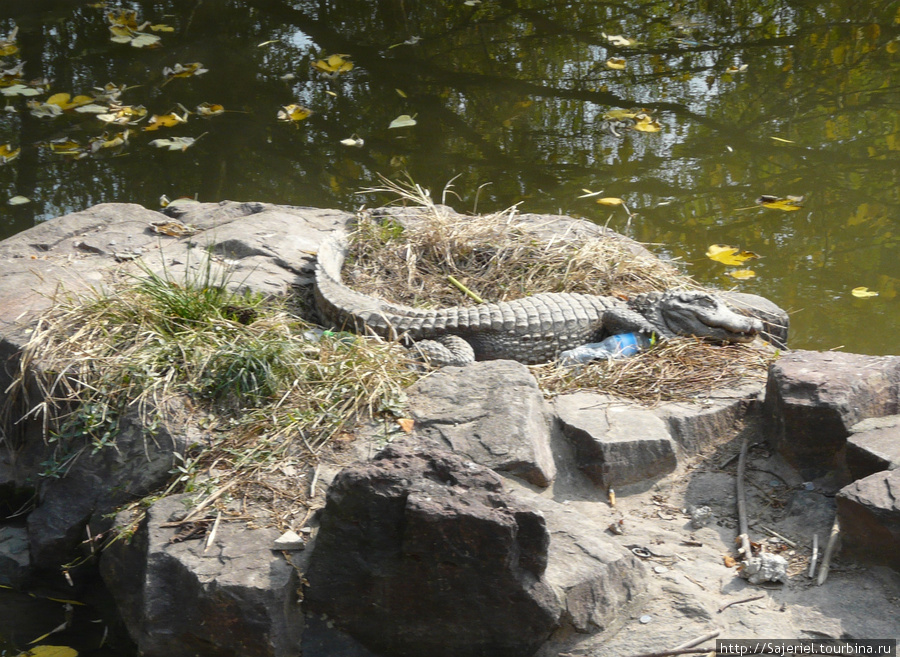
x=511 y=93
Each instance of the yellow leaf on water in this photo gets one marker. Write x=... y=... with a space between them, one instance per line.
x=333 y=65
x=784 y=141
x=293 y=113
x=59 y=99
x=401 y=93
x=205 y=110
x=788 y=203
x=616 y=63
x=164 y=121
x=49 y=651
x=610 y=200
x=620 y=114
x=8 y=153
x=863 y=292
x=729 y=255
x=162 y=28
x=646 y=123
x=18 y=200
x=184 y=70
x=742 y=274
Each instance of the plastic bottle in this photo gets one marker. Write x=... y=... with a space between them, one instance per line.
x=622 y=345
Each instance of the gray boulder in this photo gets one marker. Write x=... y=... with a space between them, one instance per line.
x=421 y=552
x=616 y=444
x=705 y=423
x=180 y=600
x=813 y=398
x=262 y=247
x=869 y=514
x=873 y=445
x=491 y=412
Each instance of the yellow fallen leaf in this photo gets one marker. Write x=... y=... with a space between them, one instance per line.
x=788 y=203
x=863 y=292
x=620 y=114
x=8 y=153
x=164 y=121
x=406 y=424
x=293 y=113
x=162 y=28
x=65 y=101
x=206 y=110
x=184 y=70
x=333 y=65
x=49 y=651
x=729 y=255
x=742 y=274
x=616 y=63
x=646 y=123
x=610 y=200
x=784 y=141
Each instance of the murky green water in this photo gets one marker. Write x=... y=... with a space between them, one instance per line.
x=508 y=96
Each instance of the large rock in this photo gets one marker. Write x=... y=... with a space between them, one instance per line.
x=873 y=445
x=598 y=583
x=266 y=248
x=869 y=515
x=705 y=423
x=180 y=600
x=491 y=412
x=616 y=443
x=99 y=481
x=422 y=553
x=813 y=398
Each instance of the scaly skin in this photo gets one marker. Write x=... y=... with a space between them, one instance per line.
x=530 y=330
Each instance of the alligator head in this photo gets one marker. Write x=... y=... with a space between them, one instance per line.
x=698 y=314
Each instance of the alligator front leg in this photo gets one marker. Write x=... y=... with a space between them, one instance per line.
x=446 y=350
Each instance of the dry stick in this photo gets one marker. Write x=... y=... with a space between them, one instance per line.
x=212 y=534
x=829 y=551
x=315 y=479
x=815 y=555
x=209 y=500
x=778 y=536
x=737 y=602
x=698 y=640
x=666 y=653
x=742 y=502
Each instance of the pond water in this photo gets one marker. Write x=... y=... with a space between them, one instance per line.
x=751 y=97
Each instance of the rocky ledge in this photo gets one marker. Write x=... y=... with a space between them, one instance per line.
x=489 y=530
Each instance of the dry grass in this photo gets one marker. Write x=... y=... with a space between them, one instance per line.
x=408 y=257
x=271 y=387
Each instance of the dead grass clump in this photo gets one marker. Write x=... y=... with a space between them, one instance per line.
x=271 y=387
x=410 y=256
x=679 y=369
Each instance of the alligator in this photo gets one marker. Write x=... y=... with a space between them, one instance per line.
x=531 y=330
